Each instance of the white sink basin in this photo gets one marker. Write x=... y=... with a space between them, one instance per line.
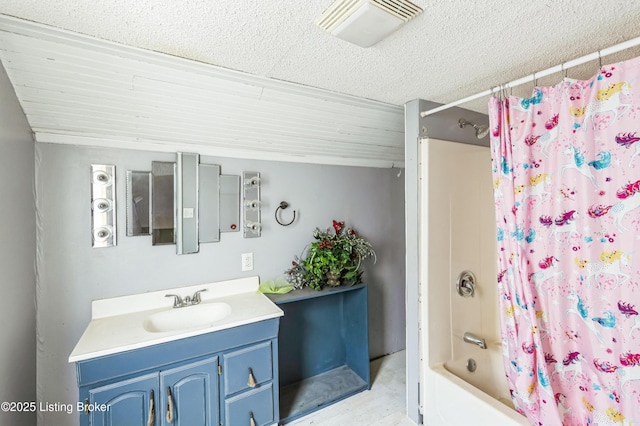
x=190 y=317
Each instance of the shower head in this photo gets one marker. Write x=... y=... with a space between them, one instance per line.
x=482 y=130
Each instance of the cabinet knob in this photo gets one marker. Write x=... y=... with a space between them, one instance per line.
x=252 y=380
x=252 y=421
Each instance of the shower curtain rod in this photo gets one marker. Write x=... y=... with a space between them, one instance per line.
x=558 y=68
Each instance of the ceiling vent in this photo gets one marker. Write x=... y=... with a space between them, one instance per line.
x=366 y=22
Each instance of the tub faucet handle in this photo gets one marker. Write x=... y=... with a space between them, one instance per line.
x=465 y=284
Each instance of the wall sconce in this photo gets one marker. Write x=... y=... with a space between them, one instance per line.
x=251 y=205
x=103 y=205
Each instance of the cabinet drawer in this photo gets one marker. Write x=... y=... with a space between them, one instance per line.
x=238 y=365
x=256 y=402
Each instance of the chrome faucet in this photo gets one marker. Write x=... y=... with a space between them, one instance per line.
x=195 y=299
x=178 y=302
x=472 y=338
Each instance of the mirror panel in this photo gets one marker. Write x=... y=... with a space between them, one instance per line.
x=229 y=203
x=162 y=202
x=191 y=203
x=209 y=202
x=187 y=203
x=138 y=203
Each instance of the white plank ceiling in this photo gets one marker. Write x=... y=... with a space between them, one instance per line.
x=80 y=90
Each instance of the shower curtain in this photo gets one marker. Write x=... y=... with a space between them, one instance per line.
x=566 y=169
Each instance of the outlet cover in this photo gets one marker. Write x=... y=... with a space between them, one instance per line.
x=247 y=262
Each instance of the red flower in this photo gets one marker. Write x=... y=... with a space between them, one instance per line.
x=338 y=226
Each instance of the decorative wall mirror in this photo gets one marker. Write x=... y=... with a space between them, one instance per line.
x=187 y=203
x=210 y=205
x=229 y=203
x=138 y=203
x=184 y=203
x=162 y=203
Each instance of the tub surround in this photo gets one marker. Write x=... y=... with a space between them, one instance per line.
x=117 y=323
x=456 y=238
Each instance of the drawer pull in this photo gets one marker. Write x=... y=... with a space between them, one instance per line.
x=169 y=405
x=252 y=380
x=152 y=410
x=252 y=421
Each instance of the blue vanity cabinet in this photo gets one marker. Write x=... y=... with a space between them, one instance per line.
x=219 y=378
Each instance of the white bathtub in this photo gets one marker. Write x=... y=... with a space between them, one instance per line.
x=488 y=376
x=457 y=233
x=453 y=402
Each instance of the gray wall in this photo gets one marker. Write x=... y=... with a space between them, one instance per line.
x=17 y=257
x=72 y=273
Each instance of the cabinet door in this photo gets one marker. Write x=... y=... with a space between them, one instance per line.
x=125 y=403
x=189 y=394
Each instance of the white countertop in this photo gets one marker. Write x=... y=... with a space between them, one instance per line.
x=117 y=323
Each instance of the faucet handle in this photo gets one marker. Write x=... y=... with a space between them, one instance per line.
x=177 y=301
x=195 y=299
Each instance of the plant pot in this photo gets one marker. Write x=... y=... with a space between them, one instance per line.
x=333 y=279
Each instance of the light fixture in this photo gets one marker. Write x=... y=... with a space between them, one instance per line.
x=366 y=22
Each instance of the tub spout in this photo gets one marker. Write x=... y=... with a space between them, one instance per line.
x=472 y=338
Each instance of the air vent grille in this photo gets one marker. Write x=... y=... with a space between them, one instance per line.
x=404 y=10
x=339 y=11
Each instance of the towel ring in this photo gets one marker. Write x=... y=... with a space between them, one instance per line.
x=283 y=205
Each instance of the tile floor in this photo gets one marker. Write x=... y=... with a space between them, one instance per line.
x=383 y=405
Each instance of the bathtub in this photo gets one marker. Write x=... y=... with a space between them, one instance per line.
x=488 y=376
x=457 y=233
x=452 y=401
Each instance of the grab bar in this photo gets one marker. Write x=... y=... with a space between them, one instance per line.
x=472 y=338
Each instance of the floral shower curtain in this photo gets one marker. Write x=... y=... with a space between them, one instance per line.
x=566 y=168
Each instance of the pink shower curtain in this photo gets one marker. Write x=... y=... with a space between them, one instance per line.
x=566 y=169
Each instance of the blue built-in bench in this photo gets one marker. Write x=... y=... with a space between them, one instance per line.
x=323 y=348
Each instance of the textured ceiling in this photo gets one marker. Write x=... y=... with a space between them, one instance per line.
x=455 y=48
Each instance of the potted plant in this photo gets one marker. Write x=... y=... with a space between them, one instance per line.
x=333 y=258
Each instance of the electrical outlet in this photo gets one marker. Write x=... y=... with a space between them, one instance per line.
x=247 y=262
